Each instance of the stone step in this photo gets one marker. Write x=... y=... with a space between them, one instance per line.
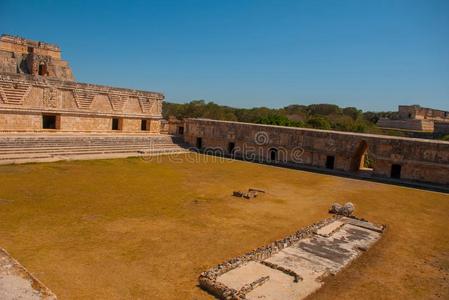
x=81 y=153
x=21 y=143
x=46 y=147
x=53 y=145
x=50 y=148
x=96 y=140
x=75 y=146
x=102 y=149
x=84 y=157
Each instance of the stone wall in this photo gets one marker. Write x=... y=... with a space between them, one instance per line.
x=24 y=99
x=411 y=124
x=415 y=117
x=404 y=159
x=441 y=128
x=21 y=45
x=419 y=113
x=175 y=126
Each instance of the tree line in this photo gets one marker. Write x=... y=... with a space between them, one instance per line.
x=319 y=116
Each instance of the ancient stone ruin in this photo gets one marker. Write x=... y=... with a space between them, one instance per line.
x=17 y=283
x=294 y=267
x=398 y=159
x=45 y=115
x=415 y=117
x=344 y=210
x=251 y=193
x=38 y=93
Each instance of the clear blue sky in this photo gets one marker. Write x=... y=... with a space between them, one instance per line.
x=373 y=54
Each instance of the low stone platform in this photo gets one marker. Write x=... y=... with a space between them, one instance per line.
x=294 y=267
x=17 y=283
x=24 y=148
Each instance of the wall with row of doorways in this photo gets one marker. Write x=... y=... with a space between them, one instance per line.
x=359 y=154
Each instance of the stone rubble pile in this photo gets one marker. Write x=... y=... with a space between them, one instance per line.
x=343 y=210
x=252 y=193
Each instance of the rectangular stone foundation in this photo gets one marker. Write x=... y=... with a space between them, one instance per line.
x=294 y=267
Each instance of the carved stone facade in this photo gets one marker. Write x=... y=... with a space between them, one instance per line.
x=404 y=159
x=30 y=98
x=23 y=56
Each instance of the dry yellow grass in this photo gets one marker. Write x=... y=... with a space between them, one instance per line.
x=131 y=229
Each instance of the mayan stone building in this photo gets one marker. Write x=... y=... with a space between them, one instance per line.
x=38 y=93
x=415 y=117
x=397 y=158
x=45 y=115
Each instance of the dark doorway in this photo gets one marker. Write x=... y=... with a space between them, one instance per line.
x=115 y=124
x=143 y=125
x=395 y=171
x=199 y=143
x=231 y=147
x=49 y=122
x=330 y=162
x=181 y=130
x=42 y=70
x=273 y=154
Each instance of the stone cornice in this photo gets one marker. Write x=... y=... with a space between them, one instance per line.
x=27 y=42
x=34 y=111
x=41 y=81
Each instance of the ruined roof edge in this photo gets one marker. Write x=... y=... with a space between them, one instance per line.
x=23 y=41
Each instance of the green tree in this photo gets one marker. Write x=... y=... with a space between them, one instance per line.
x=321 y=116
x=323 y=109
x=319 y=122
x=352 y=112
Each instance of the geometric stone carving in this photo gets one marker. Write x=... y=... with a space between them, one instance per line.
x=117 y=101
x=83 y=98
x=51 y=97
x=14 y=93
x=156 y=107
x=331 y=145
x=145 y=104
x=150 y=105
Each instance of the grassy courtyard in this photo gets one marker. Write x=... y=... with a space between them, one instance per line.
x=136 y=229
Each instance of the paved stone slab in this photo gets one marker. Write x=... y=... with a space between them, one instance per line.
x=326 y=250
x=342 y=247
x=363 y=224
x=279 y=285
x=17 y=283
x=300 y=261
x=329 y=228
x=282 y=286
x=245 y=274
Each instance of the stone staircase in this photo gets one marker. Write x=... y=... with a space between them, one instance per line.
x=47 y=147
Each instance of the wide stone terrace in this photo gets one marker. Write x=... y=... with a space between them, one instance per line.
x=22 y=148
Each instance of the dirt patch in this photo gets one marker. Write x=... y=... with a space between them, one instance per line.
x=152 y=240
